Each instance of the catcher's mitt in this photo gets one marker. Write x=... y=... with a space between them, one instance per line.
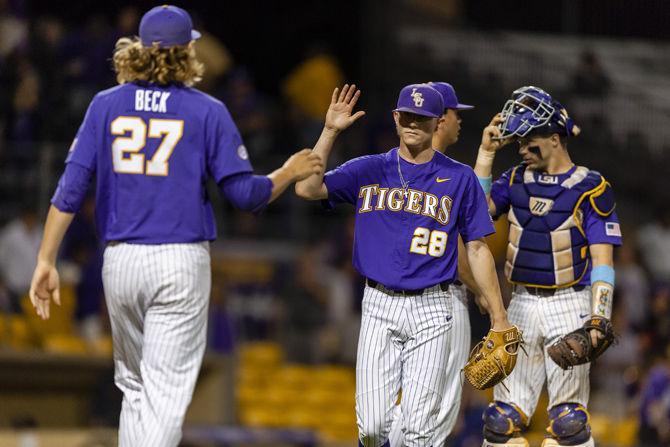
x=493 y=359
x=576 y=347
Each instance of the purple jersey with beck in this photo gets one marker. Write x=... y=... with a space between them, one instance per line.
x=153 y=149
x=409 y=240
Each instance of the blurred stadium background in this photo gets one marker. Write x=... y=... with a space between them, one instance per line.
x=285 y=303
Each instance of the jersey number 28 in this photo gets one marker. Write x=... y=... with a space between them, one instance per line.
x=132 y=137
x=425 y=241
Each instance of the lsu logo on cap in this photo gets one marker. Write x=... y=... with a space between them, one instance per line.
x=418 y=98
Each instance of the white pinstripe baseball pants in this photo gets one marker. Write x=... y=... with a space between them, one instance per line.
x=458 y=356
x=157 y=297
x=543 y=319
x=404 y=343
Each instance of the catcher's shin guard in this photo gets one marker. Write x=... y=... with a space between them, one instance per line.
x=503 y=423
x=569 y=426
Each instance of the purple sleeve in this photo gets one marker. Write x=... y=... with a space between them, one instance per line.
x=342 y=183
x=72 y=187
x=226 y=153
x=474 y=221
x=85 y=144
x=500 y=194
x=247 y=192
x=600 y=229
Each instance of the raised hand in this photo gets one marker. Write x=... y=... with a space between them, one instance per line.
x=491 y=136
x=342 y=103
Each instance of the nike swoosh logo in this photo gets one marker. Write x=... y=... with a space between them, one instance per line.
x=583 y=315
x=442 y=180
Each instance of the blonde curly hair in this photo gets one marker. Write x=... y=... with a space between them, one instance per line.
x=135 y=62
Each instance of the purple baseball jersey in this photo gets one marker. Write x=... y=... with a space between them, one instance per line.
x=153 y=149
x=548 y=212
x=407 y=238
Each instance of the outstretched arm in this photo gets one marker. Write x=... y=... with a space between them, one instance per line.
x=338 y=118
x=45 y=283
x=299 y=166
x=484 y=273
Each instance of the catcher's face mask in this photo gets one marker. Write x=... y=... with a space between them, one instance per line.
x=531 y=110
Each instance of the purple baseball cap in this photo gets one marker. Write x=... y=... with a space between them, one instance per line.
x=421 y=99
x=449 y=96
x=168 y=26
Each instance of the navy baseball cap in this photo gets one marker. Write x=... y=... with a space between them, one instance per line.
x=449 y=96
x=168 y=26
x=421 y=99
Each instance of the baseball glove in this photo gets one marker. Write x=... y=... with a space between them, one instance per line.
x=493 y=359
x=576 y=347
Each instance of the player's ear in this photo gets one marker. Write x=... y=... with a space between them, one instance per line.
x=396 y=118
x=441 y=120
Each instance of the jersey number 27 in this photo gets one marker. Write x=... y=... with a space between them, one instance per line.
x=132 y=136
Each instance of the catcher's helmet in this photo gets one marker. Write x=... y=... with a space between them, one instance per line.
x=532 y=110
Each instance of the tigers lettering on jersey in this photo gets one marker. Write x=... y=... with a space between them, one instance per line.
x=407 y=237
x=415 y=202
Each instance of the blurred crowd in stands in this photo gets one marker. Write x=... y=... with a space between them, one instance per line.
x=307 y=296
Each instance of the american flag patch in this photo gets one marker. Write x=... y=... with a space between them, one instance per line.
x=612 y=229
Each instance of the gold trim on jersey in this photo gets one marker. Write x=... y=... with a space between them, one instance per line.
x=544 y=286
x=434 y=203
x=414 y=198
x=366 y=192
x=169 y=140
x=597 y=194
x=511 y=177
x=391 y=202
x=381 y=199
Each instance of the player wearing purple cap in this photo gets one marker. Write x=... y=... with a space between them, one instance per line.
x=153 y=142
x=411 y=204
x=446 y=134
x=563 y=227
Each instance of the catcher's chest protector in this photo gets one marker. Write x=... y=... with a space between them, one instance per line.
x=547 y=245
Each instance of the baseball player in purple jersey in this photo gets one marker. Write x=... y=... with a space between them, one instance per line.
x=446 y=134
x=411 y=204
x=153 y=142
x=559 y=259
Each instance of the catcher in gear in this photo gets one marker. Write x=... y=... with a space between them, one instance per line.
x=562 y=230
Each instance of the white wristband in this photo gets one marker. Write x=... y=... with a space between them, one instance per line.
x=602 y=299
x=485 y=158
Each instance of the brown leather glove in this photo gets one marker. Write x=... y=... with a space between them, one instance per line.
x=493 y=359
x=576 y=348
